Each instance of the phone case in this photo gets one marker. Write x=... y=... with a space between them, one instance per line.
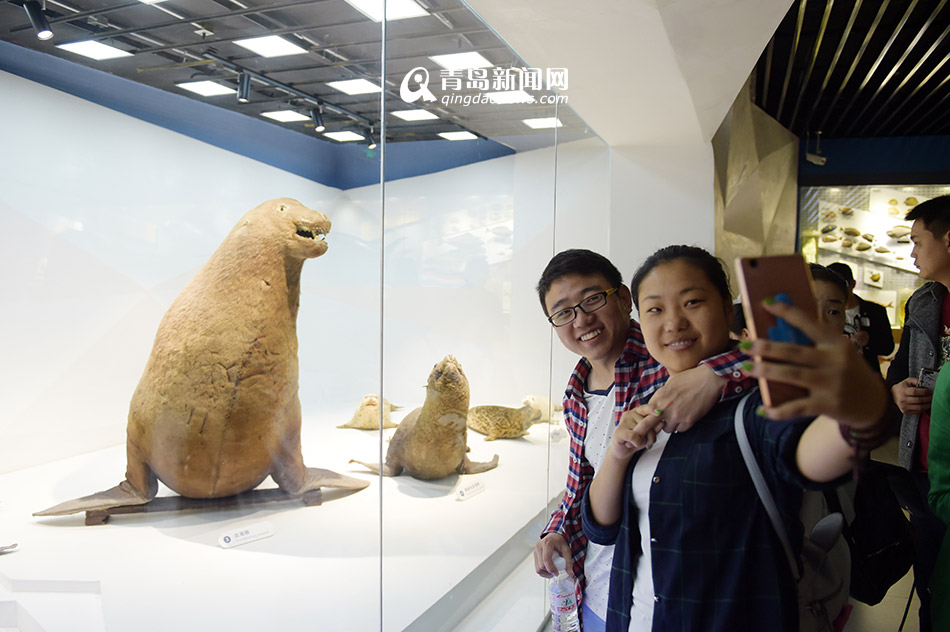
x=788 y=278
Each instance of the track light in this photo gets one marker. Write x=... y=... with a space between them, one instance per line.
x=372 y=138
x=38 y=20
x=316 y=115
x=244 y=88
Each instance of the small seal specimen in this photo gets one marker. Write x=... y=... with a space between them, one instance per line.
x=431 y=442
x=501 y=422
x=366 y=416
x=216 y=410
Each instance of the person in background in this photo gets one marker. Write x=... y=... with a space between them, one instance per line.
x=938 y=459
x=925 y=344
x=584 y=297
x=695 y=550
x=831 y=295
x=868 y=324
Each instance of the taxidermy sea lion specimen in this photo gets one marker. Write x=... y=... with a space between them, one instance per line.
x=501 y=422
x=216 y=410
x=431 y=442
x=366 y=416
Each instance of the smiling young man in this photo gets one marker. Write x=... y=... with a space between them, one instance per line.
x=925 y=343
x=583 y=296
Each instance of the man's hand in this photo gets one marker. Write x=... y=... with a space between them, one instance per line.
x=544 y=555
x=910 y=399
x=685 y=398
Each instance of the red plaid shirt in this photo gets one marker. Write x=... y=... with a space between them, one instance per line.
x=636 y=377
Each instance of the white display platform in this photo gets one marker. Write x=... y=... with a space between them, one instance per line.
x=320 y=570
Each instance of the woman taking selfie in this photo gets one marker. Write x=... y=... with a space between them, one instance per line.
x=695 y=550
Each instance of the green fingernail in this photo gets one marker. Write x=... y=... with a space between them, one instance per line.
x=657 y=411
x=745 y=345
x=760 y=411
x=747 y=366
x=768 y=300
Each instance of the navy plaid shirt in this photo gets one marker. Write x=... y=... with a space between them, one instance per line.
x=717 y=564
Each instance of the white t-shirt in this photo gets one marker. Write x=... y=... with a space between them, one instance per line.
x=641 y=611
x=600 y=430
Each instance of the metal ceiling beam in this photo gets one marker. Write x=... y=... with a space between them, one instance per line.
x=769 y=50
x=791 y=57
x=896 y=66
x=877 y=62
x=290 y=89
x=811 y=63
x=926 y=57
x=916 y=121
x=854 y=64
x=845 y=34
x=910 y=98
x=931 y=124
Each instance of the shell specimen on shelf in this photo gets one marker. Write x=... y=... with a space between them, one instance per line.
x=829 y=238
x=876 y=276
x=893 y=211
x=911 y=201
x=829 y=228
x=854 y=232
x=898 y=231
x=882 y=250
x=847 y=211
x=863 y=246
x=867 y=237
x=846 y=243
x=892 y=202
x=827 y=216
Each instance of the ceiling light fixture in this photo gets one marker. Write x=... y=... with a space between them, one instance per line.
x=38 y=19
x=205 y=88
x=414 y=115
x=316 y=115
x=345 y=136
x=354 y=86
x=244 y=88
x=371 y=137
x=285 y=116
x=547 y=122
x=95 y=50
x=458 y=135
x=395 y=9
x=461 y=61
x=270 y=46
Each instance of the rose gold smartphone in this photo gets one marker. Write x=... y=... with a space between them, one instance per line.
x=784 y=278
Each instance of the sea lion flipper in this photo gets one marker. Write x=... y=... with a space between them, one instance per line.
x=473 y=467
x=121 y=494
x=317 y=478
x=385 y=470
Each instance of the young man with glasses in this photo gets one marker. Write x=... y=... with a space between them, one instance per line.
x=584 y=298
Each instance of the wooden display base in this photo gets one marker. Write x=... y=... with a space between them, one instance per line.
x=180 y=503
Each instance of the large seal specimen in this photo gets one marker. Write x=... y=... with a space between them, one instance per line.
x=501 y=422
x=216 y=410
x=367 y=414
x=431 y=442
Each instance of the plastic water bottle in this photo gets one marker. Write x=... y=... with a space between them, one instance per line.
x=563 y=599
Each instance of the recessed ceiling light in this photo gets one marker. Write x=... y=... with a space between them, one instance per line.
x=206 y=88
x=415 y=115
x=395 y=9
x=543 y=123
x=354 y=86
x=345 y=136
x=461 y=61
x=285 y=116
x=458 y=135
x=270 y=46
x=95 y=50
x=509 y=96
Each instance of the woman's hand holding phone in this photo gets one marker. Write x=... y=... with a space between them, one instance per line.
x=839 y=383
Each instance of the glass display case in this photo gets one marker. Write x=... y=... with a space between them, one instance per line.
x=864 y=226
x=433 y=251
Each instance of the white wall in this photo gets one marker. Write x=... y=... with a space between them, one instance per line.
x=104 y=218
x=659 y=196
